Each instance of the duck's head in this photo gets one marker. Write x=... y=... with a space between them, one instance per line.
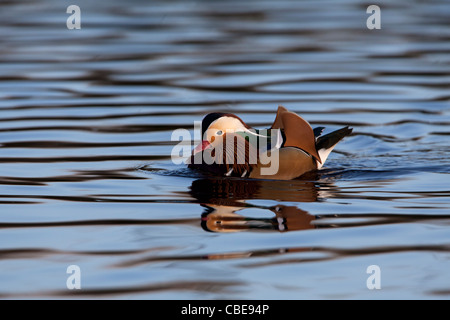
x=215 y=125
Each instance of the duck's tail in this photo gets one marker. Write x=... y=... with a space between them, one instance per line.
x=325 y=144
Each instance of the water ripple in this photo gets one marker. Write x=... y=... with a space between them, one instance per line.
x=86 y=118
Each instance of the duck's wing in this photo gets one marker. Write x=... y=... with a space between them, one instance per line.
x=289 y=163
x=298 y=132
x=278 y=123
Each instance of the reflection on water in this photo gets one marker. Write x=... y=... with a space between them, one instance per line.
x=224 y=198
x=86 y=118
x=225 y=205
x=286 y=218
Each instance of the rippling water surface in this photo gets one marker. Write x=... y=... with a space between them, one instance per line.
x=86 y=177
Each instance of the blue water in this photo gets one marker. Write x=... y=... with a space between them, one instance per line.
x=86 y=175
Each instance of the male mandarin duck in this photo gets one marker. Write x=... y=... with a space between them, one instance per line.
x=289 y=149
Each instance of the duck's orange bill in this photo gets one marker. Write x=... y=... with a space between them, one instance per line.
x=201 y=146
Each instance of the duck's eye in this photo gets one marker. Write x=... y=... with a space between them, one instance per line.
x=219 y=133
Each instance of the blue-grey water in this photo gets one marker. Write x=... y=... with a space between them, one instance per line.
x=86 y=176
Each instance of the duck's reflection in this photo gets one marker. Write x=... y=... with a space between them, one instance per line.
x=225 y=203
x=225 y=219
